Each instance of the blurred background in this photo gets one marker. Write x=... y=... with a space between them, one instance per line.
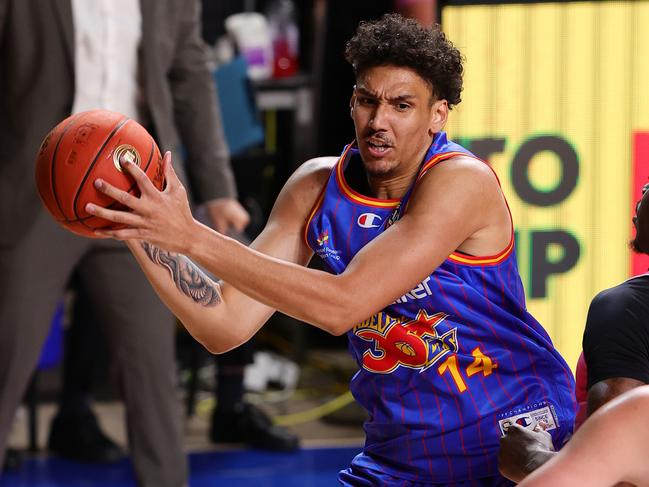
x=553 y=99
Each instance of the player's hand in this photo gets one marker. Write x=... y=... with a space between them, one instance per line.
x=162 y=218
x=227 y=214
x=522 y=451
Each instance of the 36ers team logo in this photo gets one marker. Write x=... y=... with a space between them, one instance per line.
x=415 y=344
x=369 y=220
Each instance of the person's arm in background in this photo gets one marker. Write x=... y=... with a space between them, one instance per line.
x=198 y=118
x=423 y=11
x=610 y=448
x=616 y=363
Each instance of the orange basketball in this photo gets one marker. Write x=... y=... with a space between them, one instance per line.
x=87 y=146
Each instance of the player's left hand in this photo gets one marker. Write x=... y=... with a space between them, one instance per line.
x=162 y=218
x=522 y=451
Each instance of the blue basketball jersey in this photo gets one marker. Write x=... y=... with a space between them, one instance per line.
x=447 y=367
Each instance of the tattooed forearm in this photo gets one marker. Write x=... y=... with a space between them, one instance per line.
x=189 y=279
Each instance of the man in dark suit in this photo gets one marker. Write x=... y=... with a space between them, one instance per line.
x=39 y=84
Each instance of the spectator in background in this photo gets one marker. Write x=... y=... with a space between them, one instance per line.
x=616 y=352
x=144 y=58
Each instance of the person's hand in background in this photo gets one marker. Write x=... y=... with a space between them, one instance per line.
x=227 y=214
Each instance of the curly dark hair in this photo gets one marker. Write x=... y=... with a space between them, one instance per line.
x=399 y=41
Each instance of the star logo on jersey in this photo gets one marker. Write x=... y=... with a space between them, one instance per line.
x=323 y=238
x=369 y=220
x=415 y=344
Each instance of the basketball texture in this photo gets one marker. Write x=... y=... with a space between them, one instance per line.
x=87 y=146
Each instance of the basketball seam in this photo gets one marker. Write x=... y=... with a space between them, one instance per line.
x=89 y=170
x=53 y=164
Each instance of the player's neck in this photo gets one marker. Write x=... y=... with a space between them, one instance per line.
x=396 y=183
x=390 y=186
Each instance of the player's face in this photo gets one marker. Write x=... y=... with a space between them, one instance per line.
x=641 y=221
x=396 y=117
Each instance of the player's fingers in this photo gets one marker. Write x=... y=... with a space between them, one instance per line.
x=541 y=426
x=123 y=217
x=119 y=195
x=122 y=234
x=142 y=180
x=171 y=178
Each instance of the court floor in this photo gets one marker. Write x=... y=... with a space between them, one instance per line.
x=309 y=467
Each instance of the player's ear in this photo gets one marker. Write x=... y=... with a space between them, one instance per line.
x=352 y=101
x=438 y=116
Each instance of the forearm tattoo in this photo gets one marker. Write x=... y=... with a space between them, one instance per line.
x=189 y=278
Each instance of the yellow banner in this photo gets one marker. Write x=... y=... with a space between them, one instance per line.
x=554 y=93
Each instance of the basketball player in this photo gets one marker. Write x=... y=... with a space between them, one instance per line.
x=418 y=240
x=610 y=448
x=616 y=352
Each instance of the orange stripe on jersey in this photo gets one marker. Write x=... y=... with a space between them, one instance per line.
x=316 y=207
x=491 y=259
x=353 y=195
x=439 y=158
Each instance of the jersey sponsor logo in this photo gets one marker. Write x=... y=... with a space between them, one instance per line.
x=542 y=412
x=415 y=344
x=419 y=292
x=323 y=250
x=369 y=220
x=323 y=237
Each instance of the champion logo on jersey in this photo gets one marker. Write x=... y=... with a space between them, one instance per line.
x=533 y=415
x=369 y=220
x=524 y=421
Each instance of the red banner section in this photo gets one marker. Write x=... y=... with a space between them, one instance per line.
x=639 y=262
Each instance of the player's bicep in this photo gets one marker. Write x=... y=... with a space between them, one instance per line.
x=440 y=217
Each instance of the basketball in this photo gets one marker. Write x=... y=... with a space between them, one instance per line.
x=87 y=146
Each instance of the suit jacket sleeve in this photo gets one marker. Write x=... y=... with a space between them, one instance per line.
x=197 y=113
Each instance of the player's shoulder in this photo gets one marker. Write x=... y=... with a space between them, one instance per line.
x=318 y=166
x=313 y=174
x=465 y=165
x=460 y=175
x=612 y=300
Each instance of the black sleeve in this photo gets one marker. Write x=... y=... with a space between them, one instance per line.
x=616 y=339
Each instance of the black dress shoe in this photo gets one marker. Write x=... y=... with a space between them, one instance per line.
x=13 y=460
x=78 y=437
x=250 y=425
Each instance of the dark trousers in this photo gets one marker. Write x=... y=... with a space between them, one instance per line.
x=138 y=328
